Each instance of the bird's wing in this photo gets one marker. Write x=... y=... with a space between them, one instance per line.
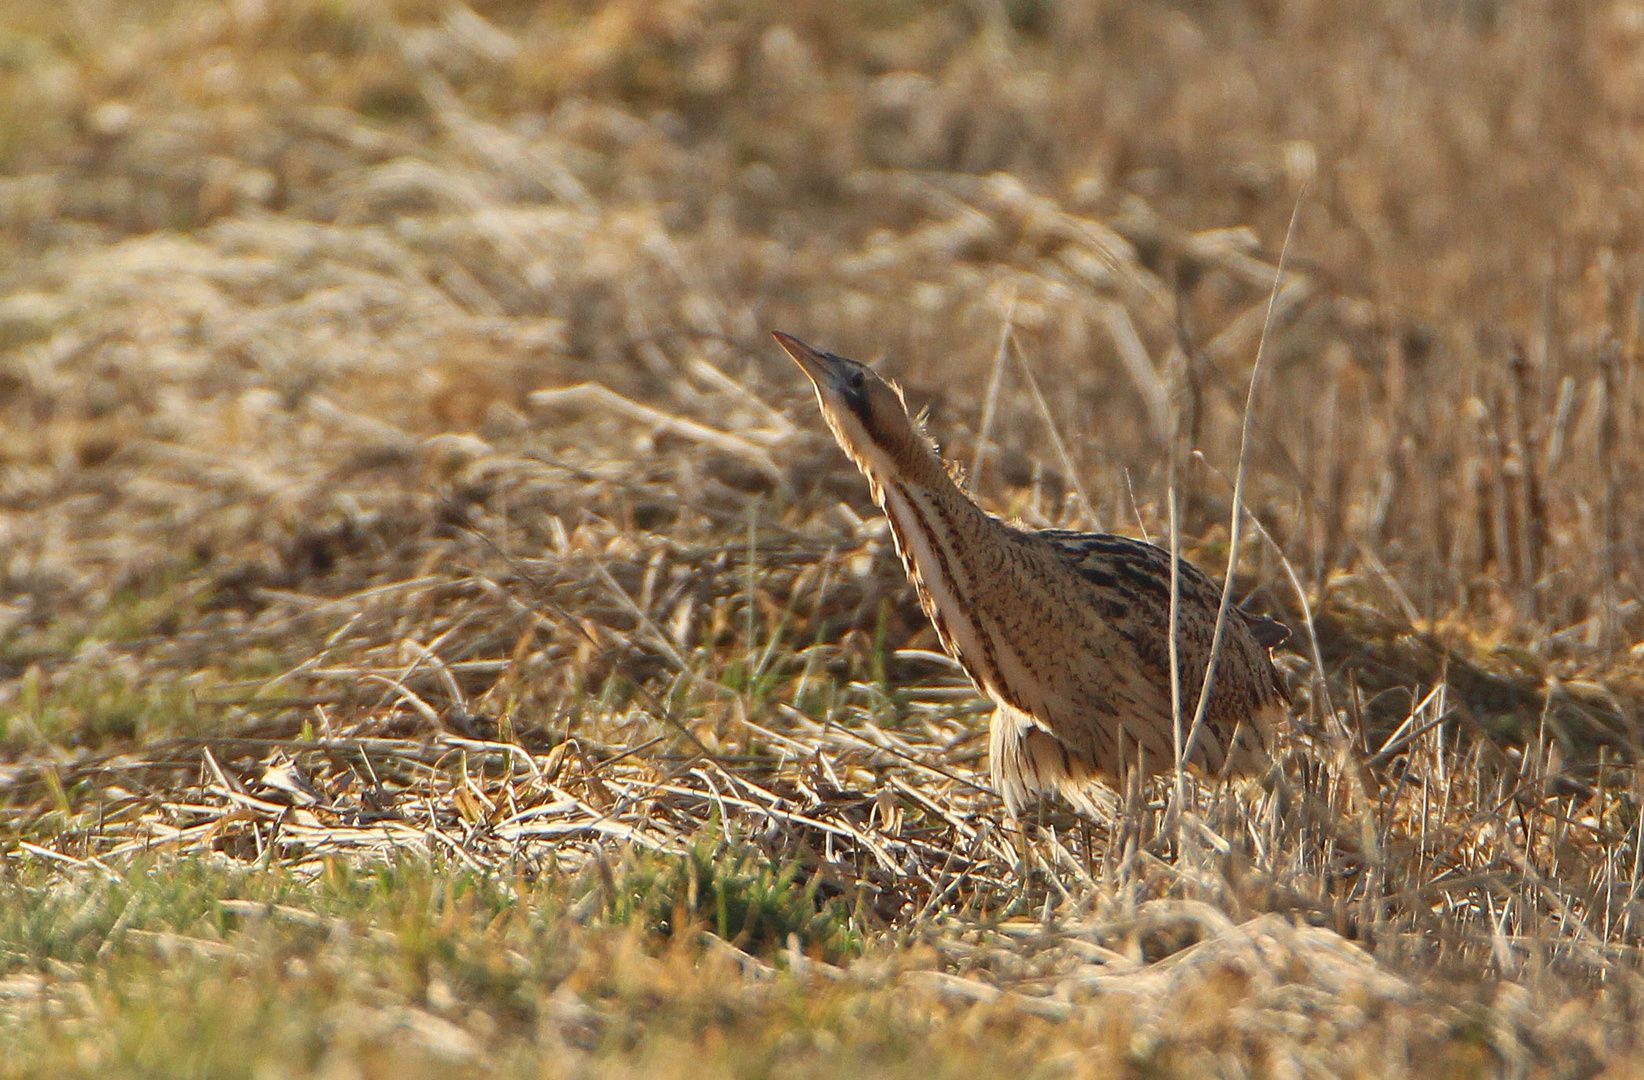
x=1131 y=566
x=1131 y=581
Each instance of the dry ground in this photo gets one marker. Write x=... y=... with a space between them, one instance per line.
x=436 y=631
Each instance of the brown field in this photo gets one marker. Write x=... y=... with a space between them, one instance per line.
x=437 y=632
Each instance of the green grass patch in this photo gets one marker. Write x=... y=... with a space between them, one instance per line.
x=736 y=892
x=195 y=968
x=89 y=704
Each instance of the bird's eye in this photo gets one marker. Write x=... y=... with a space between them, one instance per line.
x=858 y=380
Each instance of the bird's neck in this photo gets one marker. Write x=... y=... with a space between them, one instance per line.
x=928 y=512
x=915 y=467
x=951 y=550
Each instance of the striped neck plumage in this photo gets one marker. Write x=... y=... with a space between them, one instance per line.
x=937 y=528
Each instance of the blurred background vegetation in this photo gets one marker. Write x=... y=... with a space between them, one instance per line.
x=882 y=175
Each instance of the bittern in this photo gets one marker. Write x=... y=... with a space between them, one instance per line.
x=1067 y=632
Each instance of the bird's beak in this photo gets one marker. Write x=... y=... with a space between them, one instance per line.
x=823 y=369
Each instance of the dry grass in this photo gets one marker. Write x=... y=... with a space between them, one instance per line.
x=394 y=473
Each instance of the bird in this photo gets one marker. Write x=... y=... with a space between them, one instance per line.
x=1066 y=632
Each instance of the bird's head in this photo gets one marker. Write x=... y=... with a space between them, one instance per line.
x=866 y=414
